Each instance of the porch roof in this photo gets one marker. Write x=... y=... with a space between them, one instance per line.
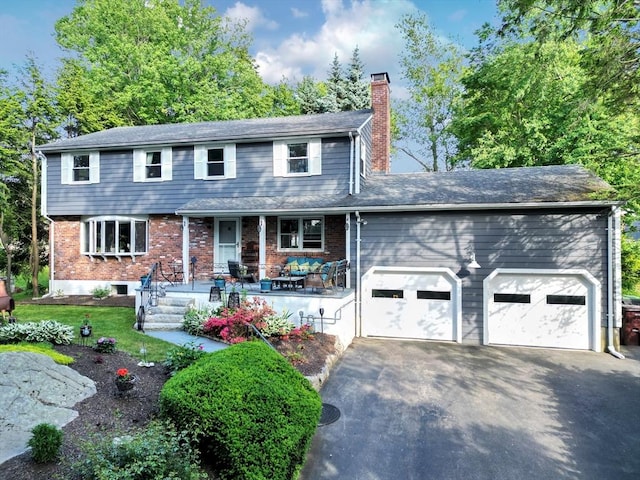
x=223 y=131
x=529 y=187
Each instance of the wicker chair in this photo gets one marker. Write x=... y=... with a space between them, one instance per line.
x=324 y=279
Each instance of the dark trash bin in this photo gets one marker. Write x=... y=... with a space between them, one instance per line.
x=630 y=325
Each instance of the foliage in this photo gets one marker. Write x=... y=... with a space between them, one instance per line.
x=45 y=442
x=525 y=105
x=182 y=356
x=195 y=318
x=105 y=345
x=340 y=92
x=276 y=325
x=123 y=375
x=630 y=263
x=42 y=349
x=106 y=321
x=44 y=331
x=433 y=68
x=230 y=325
x=610 y=57
x=101 y=292
x=130 y=64
x=158 y=452
x=253 y=413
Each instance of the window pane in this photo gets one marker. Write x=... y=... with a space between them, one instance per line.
x=511 y=298
x=215 y=162
x=124 y=237
x=81 y=168
x=566 y=300
x=289 y=233
x=298 y=161
x=86 y=232
x=312 y=233
x=153 y=167
x=110 y=237
x=383 y=293
x=99 y=240
x=141 y=237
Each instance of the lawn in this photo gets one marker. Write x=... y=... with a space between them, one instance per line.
x=113 y=322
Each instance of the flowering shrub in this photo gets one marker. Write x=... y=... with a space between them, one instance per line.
x=123 y=375
x=105 y=345
x=276 y=325
x=230 y=324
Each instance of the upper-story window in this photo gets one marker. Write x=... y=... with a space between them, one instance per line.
x=80 y=167
x=212 y=162
x=152 y=165
x=299 y=157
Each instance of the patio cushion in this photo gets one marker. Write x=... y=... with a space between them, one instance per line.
x=302 y=265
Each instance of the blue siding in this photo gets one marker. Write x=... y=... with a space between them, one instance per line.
x=118 y=194
x=501 y=240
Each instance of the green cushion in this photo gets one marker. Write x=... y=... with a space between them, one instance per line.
x=303 y=267
x=293 y=265
x=315 y=266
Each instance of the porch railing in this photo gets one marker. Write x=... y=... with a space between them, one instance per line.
x=149 y=295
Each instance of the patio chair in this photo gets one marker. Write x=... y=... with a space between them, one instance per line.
x=341 y=273
x=324 y=279
x=175 y=275
x=241 y=273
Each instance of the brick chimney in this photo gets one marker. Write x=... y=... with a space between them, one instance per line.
x=381 y=126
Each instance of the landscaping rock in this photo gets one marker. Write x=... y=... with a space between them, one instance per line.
x=33 y=390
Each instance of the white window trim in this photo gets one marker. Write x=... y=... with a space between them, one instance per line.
x=66 y=168
x=280 y=157
x=140 y=163
x=113 y=218
x=363 y=157
x=300 y=220
x=200 y=158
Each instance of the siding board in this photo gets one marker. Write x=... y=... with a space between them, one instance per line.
x=118 y=194
x=541 y=240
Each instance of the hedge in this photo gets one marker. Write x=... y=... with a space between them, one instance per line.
x=253 y=413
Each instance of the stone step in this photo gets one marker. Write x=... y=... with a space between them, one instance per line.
x=162 y=326
x=167 y=310
x=183 y=302
x=164 y=318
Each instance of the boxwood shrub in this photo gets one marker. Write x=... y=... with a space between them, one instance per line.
x=253 y=413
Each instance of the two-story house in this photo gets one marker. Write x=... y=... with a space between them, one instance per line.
x=523 y=256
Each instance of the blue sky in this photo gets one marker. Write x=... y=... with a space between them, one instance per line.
x=292 y=38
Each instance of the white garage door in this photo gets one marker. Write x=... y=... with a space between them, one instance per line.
x=411 y=303
x=542 y=308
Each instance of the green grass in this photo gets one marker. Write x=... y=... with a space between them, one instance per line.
x=116 y=322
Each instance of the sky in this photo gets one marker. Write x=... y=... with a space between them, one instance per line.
x=291 y=38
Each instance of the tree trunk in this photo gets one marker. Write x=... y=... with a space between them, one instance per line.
x=5 y=241
x=35 y=258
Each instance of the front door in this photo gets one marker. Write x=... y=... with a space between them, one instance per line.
x=226 y=243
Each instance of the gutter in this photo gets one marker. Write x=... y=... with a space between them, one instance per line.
x=610 y=284
x=358 y=277
x=52 y=224
x=405 y=208
x=351 y=167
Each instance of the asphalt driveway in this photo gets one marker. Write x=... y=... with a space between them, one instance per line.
x=422 y=410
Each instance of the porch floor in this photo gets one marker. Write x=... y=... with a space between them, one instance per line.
x=204 y=287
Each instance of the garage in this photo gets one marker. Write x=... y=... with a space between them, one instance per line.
x=542 y=308
x=411 y=302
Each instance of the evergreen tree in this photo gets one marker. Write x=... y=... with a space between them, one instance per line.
x=357 y=89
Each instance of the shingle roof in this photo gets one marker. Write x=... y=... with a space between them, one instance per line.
x=463 y=189
x=232 y=130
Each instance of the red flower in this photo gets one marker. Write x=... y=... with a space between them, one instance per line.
x=123 y=374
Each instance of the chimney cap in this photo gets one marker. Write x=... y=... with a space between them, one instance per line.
x=380 y=77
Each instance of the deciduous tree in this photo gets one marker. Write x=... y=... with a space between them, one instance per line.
x=432 y=67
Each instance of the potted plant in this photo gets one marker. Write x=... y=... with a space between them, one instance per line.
x=219 y=282
x=85 y=329
x=124 y=380
x=265 y=284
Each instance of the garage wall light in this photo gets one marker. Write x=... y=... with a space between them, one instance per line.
x=471 y=258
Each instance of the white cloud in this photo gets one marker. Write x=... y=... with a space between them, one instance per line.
x=458 y=15
x=253 y=17
x=297 y=13
x=367 y=24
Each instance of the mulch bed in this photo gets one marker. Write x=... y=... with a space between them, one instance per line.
x=108 y=412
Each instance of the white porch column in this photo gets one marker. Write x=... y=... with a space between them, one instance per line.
x=262 y=246
x=186 y=266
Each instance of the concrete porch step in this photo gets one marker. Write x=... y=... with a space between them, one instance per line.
x=162 y=326
x=167 y=310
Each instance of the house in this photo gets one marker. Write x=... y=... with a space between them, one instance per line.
x=523 y=256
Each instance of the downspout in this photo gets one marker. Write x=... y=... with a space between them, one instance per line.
x=610 y=297
x=351 y=158
x=358 y=278
x=43 y=212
